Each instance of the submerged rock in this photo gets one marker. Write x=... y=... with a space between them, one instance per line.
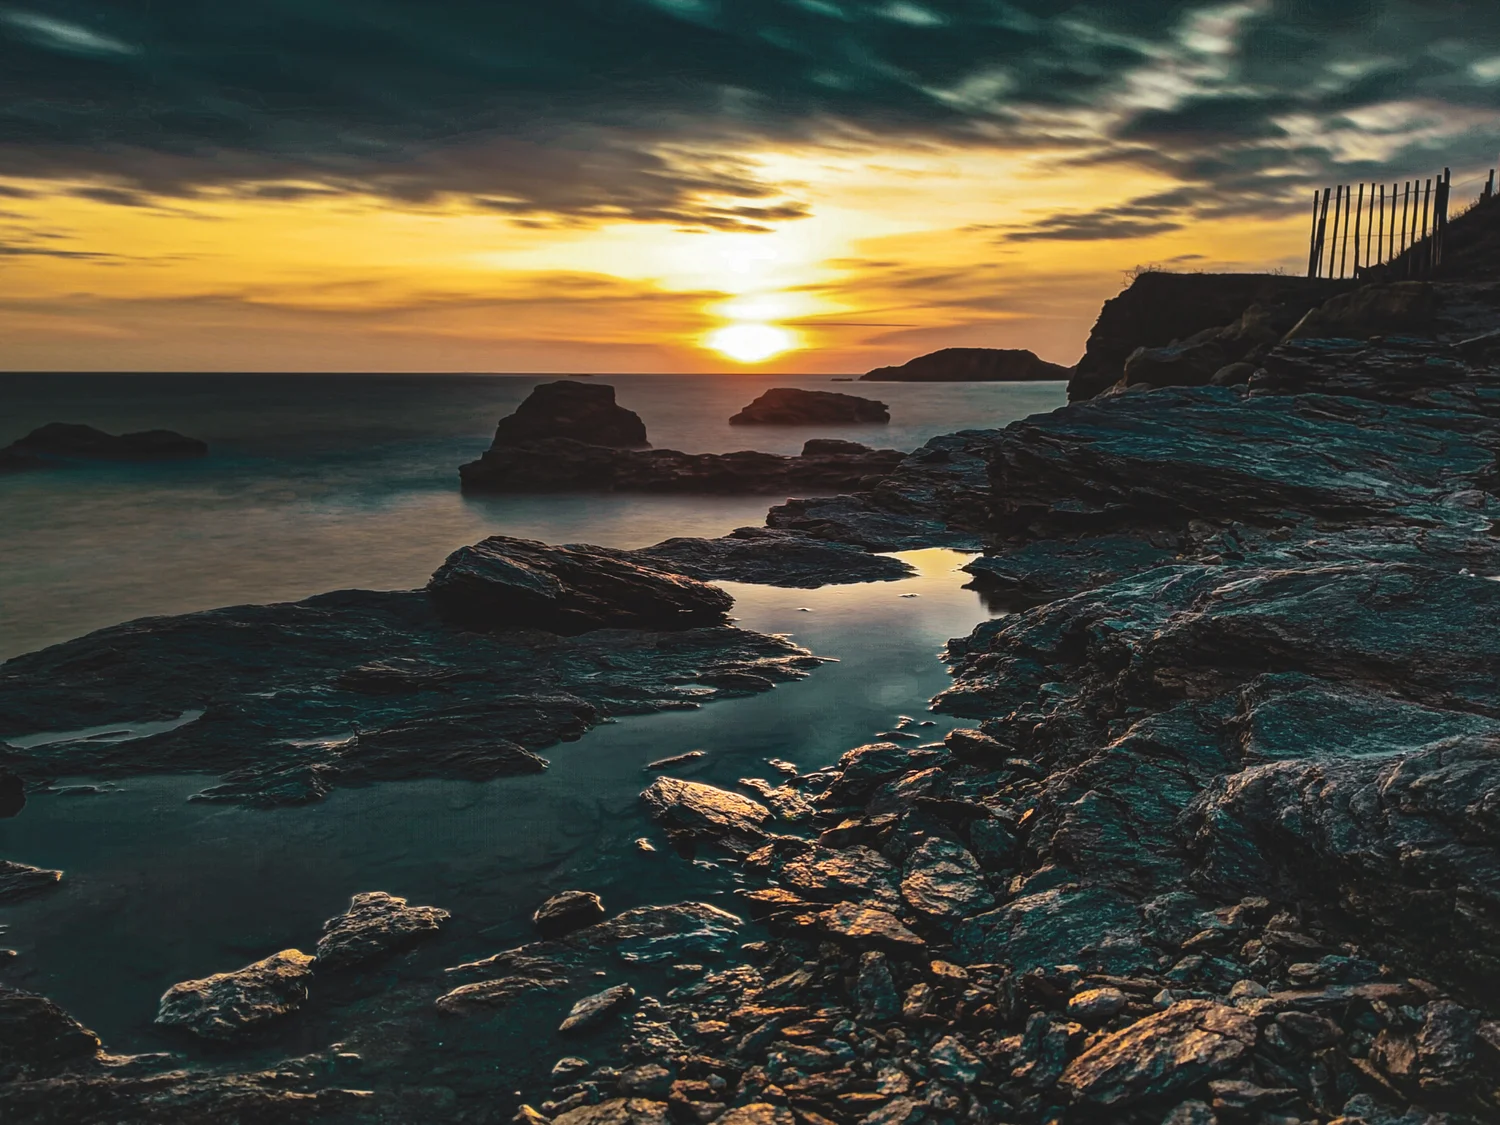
x=227 y=1005
x=66 y=441
x=568 y=911
x=502 y=582
x=585 y=412
x=789 y=406
x=21 y=880
x=375 y=923
x=970 y=365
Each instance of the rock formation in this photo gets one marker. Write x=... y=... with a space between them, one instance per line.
x=375 y=924
x=227 y=1005
x=64 y=441
x=789 y=406
x=970 y=365
x=585 y=412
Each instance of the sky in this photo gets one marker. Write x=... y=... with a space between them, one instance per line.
x=680 y=185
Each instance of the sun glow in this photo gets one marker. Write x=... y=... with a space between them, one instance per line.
x=751 y=343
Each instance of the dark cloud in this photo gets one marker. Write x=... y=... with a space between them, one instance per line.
x=577 y=110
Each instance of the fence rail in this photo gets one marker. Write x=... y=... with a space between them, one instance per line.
x=1405 y=227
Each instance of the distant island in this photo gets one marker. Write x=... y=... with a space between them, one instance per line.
x=971 y=365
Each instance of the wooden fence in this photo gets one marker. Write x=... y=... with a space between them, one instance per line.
x=1357 y=228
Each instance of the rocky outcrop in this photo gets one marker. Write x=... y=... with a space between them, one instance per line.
x=505 y=583
x=692 y=811
x=418 y=697
x=375 y=924
x=970 y=365
x=227 y=1005
x=1166 y=310
x=584 y=412
x=566 y=465
x=790 y=406
x=563 y=913
x=21 y=880
x=59 y=442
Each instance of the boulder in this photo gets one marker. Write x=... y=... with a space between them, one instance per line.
x=568 y=911
x=592 y=1010
x=943 y=882
x=375 y=923
x=696 y=811
x=585 y=412
x=21 y=880
x=790 y=406
x=519 y=583
x=1161 y=1055
x=867 y=928
x=970 y=365
x=227 y=1005
x=37 y=1037
x=66 y=441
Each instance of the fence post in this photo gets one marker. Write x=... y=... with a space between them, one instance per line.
x=1426 y=256
x=1440 y=233
x=1359 y=214
x=1406 y=225
x=1380 y=241
x=1333 y=246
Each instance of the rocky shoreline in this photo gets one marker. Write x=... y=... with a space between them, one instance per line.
x=1221 y=845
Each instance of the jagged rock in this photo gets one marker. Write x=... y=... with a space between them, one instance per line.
x=592 y=1010
x=565 y=465
x=942 y=881
x=617 y=1111
x=568 y=911
x=66 y=441
x=970 y=365
x=757 y=1113
x=875 y=990
x=773 y=558
x=868 y=928
x=1161 y=1055
x=854 y=874
x=585 y=412
x=375 y=923
x=37 y=1037
x=1057 y=926
x=861 y=770
x=953 y=1062
x=505 y=583
x=789 y=406
x=704 y=812
x=227 y=1005
x=21 y=880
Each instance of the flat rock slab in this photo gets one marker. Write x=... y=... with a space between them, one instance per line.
x=21 y=880
x=227 y=1005
x=1161 y=1055
x=568 y=911
x=592 y=1010
x=790 y=406
x=705 y=812
x=867 y=928
x=770 y=557
x=510 y=583
x=375 y=923
x=488 y=996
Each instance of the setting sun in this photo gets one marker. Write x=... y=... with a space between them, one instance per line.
x=751 y=343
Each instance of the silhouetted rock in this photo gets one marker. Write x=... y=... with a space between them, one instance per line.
x=227 y=1005
x=505 y=583
x=565 y=465
x=72 y=442
x=971 y=365
x=563 y=913
x=791 y=406
x=585 y=412
x=376 y=923
x=37 y=1037
x=773 y=558
x=12 y=794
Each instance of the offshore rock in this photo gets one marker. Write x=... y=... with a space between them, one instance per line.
x=502 y=582
x=375 y=923
x=1161 y=1056
x=227 y=1005
x=65 y=441
x=773 y=558
x=21 y=880
x=585 y=412
x=566 y=465
x=694 y=811
x=37 y=1037
x=970 y=365
x=563 y=913
x=789 y=406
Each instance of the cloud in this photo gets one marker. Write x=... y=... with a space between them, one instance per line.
x=573 y=111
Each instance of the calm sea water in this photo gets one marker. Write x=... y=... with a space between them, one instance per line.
x=322 y=482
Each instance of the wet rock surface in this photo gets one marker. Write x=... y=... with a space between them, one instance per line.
x=567 y=465
x=505 y=583
x=21 y=880
x=227 y=1005
x=970 y=365
x=790 y=406
x=375 y=924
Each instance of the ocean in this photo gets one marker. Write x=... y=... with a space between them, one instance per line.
x=322 y=482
